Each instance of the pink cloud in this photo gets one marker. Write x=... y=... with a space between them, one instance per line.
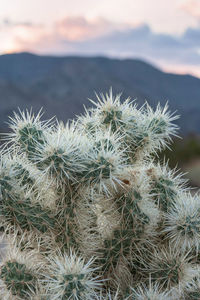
x=79 y=28
x=17 y=37
x=180 y=68
x=30 y=37
x=192 y=7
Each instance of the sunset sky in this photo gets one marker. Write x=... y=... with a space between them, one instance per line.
x=163 y=32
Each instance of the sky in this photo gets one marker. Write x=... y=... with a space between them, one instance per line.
x=165 y=33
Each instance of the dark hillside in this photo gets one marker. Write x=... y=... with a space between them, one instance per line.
x=62 y=85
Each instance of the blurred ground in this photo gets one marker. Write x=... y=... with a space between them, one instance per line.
x=193 y=171
x=185 y=155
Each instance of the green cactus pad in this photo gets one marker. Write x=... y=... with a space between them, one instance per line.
x=163 y=189
x=134 y=216
x=23 y=176
x=74 y=286
x=157 y=125
x=25 y=214
x=190 y=226
x=193 y=295
x=118 y=246
x=168 y=273
x=98 y=169
x=17 y=278
x=29 y=138
x=112 y=118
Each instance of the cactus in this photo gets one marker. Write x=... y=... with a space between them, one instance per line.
x=89 y=213
x=71 y=277
x=20 y=271
x=17 y=278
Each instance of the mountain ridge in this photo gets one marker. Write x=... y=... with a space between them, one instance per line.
x=62 y=84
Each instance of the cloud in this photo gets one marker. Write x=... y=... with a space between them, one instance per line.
x=170 y=52
x=20 y=36
x=79 y=28
x=192 y=7
x=77 y=35
x=36 y=37
x=9 y=23
x=144 y=43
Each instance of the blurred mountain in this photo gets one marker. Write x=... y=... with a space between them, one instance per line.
x=61 y=85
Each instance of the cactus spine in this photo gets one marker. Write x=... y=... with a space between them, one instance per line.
x=89 y=213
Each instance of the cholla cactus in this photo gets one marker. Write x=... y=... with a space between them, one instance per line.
x=89 y=213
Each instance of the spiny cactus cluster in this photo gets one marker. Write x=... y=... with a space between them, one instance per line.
x=88 y=212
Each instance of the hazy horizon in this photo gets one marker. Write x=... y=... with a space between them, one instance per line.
x=163 y=33
x=103 y=56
